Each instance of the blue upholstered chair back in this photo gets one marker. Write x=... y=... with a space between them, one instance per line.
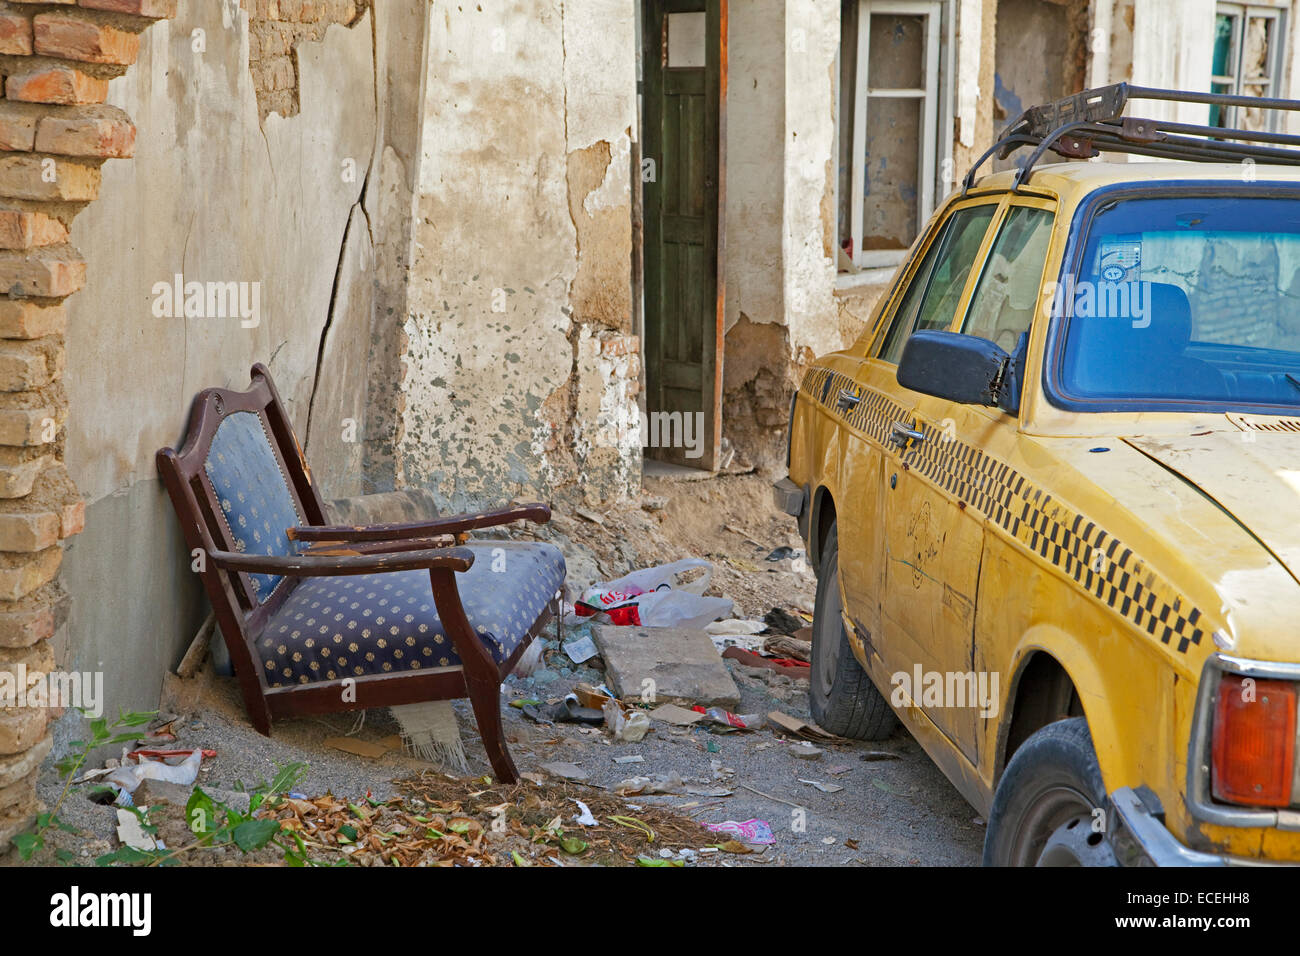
x=253 y=492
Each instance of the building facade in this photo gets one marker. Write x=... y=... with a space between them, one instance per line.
x=494 y=250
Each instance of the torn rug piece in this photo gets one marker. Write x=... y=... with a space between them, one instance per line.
x=429 y=731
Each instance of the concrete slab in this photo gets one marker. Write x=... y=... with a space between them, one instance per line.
x=683 y=664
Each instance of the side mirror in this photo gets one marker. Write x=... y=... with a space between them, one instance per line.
x=961 y=368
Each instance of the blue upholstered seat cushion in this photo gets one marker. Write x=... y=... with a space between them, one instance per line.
x=253 y=492
x=350 y=626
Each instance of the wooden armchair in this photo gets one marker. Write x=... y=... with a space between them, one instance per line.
x=320 y=619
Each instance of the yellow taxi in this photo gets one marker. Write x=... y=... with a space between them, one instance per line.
x=1052 y=495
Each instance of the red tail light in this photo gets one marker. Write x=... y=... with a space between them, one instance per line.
x=1254 y=741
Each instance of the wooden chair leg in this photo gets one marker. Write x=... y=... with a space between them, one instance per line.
x=485 y=698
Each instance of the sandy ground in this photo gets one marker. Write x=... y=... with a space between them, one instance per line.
x=895 y=807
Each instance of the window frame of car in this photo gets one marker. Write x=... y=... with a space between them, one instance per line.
x=1052 y=375
x=1004 y=201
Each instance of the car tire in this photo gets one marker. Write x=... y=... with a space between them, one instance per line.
x=1052 y=784
x=841 y=696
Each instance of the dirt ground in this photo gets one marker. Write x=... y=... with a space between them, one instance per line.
x=882 y=803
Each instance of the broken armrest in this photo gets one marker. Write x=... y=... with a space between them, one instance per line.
x=311 y=566
x=450 y=524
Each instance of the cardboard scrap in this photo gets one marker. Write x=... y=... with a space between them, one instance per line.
x=678 y=716
x=794 y=725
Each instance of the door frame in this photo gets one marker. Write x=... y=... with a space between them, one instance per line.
x=654 y=41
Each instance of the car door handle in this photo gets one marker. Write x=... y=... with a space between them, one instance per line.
x=901 y=433
x=847 y=399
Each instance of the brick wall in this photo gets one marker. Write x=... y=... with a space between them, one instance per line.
x=56 y=59
x=274 y=26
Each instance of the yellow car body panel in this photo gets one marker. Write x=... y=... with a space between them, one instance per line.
x=1114 y=542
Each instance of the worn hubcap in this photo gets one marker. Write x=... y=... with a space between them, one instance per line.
x=1053 y=809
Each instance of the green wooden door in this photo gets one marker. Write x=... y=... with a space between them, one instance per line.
x=682 y=70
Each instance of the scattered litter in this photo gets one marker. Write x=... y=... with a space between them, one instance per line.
x=839 y=769
x=581 y=650
x=735 y=626
x=796 y=671
x=725 y=718
x=823 y=787
x=785 y=648
x=629 y=728
x=709 y=792
x=565 y=771
x=806 y=751
x=126 y=778
x=132 y=833
x=584 y=818
x=750 y=831
x=678 y=716
x=873 y=755
x=781 y=553
x=374 y=749
x=794 y=725
x=734 y=846
x=653 y=597
x=719 y=771
x=782 y=621
x=630 y=758
x=593 y=697
x=166 y=754
x=829 y=840
x=646 y=786
x=566 y=711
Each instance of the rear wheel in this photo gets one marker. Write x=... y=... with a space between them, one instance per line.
x=1043 y=809
x=843 y=700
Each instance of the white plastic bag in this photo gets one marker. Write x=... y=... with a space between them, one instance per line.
x=651 y=597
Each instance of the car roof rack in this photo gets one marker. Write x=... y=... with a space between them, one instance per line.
x=1092 y=122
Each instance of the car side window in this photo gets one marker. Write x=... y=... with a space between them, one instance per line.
x=1007 y=292
x=930 y=300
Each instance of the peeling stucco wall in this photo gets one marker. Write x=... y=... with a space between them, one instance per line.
x=519 y=371
x=757 y=349
x=781 y=308
x=218 y=195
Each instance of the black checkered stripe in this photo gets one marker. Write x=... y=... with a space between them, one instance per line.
x=1098 y=562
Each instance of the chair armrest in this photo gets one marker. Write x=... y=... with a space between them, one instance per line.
x=376 y=547
x=315 y=566
x=450 y=524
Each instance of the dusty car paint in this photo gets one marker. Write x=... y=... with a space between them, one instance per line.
x=1117 y=543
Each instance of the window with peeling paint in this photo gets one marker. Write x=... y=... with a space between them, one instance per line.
x=892 y=160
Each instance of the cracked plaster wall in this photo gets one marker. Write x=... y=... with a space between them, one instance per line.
x=520 y=369
x=304 y=206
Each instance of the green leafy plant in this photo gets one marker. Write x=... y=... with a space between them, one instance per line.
x=213 y=822
x=102 y=734
x=216 y=824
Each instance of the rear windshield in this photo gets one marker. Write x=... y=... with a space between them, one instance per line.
x=1186 y=299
